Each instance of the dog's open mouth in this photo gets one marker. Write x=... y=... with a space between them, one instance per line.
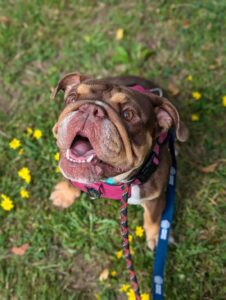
x=82 y=161
x=81 y=150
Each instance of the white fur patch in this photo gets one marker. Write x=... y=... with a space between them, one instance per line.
x=135 y=195
x=63 y=126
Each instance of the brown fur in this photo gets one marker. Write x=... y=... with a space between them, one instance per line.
x=158 y=115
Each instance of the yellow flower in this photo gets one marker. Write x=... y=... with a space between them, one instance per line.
x=132 y=251
x=119 y=34
x=224 y=100
x=7 y=203
x=57 y=156
x=37 y=134
x=119 y=254
x=131 y=295
x=195 y=117
x=24 y=173
x=29 y=131
x=130 y=238
x=139 y=231
x=113 y=273
x=24 y=193
x=189 y=78
x=21 y=151
x=57 y=170
x=196 y=95
x=124 y=288
x=145 y=296
x=14 y=144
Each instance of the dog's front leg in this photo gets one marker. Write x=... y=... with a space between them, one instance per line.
x=152 y=215
x=64 y=194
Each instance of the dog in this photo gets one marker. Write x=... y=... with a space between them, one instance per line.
x=106 y=131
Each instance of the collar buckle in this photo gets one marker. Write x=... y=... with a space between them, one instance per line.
x=93 y=194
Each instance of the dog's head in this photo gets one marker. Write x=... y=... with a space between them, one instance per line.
x=106 y=128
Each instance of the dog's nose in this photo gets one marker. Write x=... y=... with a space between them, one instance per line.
x=93 y=110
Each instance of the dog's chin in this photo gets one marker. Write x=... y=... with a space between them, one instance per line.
x=87 y=172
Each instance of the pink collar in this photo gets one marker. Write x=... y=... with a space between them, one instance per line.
x=101 y=190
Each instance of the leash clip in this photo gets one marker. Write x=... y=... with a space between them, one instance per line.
x=157 y=90
x=93 y=194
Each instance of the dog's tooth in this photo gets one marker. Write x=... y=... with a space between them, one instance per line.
x=90 y=158
x=67 y=154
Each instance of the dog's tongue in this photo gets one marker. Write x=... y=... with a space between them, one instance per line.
x=81 y=147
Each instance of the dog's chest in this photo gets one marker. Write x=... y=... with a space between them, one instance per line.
x=135 y=195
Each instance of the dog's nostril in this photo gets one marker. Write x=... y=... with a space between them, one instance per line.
x=94 y=110
x=98 y=112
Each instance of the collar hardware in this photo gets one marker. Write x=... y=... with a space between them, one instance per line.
x=93 y=193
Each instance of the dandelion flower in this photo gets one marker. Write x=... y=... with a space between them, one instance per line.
x=37 y=134
x=24 y=193
x=119 y=254
x=119 y=34
x=196 y=95
x=124 y=288
x=29 y=131
x=130 y=238
x=195 y=117
x=224 y=100
x=21 y=151
x=57 y=170
x=145 y=296
x=113 y=273
x=14 y=144
x=189 y=78
x=57 y=156
x=6 y=203
x=24 y=173
x=139 y=231
x=131 y=295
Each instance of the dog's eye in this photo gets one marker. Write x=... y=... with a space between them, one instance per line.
x=128 y=114
x=70 y=99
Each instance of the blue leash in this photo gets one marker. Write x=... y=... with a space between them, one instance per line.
x=165 y=225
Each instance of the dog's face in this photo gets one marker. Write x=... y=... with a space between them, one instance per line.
x=107 y=129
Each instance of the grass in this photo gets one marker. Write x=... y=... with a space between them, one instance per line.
x=166 y=41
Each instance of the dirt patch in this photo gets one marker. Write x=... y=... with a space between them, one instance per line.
x=82 y=277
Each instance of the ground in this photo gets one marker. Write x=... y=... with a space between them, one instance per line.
x=181 y=45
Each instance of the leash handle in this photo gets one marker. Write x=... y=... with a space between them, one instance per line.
x=125 y=241
x=164 y=231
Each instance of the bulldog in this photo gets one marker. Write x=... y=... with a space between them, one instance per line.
x=105 y=134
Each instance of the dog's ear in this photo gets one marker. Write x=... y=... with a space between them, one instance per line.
x=167 y=116
x=69 y=81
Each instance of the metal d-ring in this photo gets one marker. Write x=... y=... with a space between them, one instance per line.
x=157 y=90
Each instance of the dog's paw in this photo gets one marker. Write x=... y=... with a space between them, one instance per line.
x=152 y=242
x=152 y=234
x=64 y=195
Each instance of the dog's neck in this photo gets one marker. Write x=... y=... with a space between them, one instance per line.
x=143 y=172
